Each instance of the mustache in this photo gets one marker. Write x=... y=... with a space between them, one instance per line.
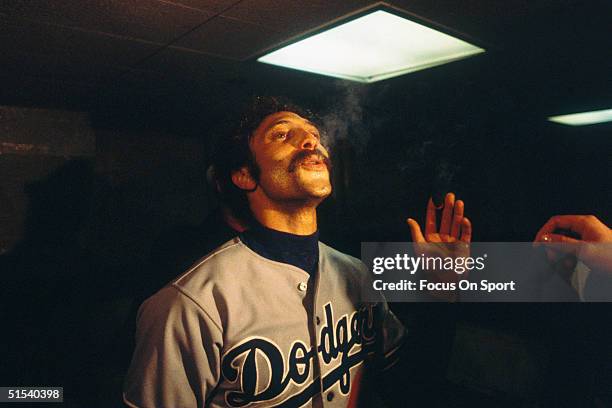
x=308 y=154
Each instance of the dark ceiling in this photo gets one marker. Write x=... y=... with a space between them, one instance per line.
x=77 y=53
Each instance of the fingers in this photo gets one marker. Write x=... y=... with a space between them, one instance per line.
x=430 y=218
x=457 y=219
x=588 y=228
x=452 y=222
x=570 y=222
x=557 y=238
x=561 y=243
x=547 y=228
x=415 y=231
x=466 y=230
x=447 y=214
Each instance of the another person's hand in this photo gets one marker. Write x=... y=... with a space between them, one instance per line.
x=453 y=238
x=593 y=247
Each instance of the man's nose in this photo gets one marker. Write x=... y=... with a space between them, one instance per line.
x=307 y=140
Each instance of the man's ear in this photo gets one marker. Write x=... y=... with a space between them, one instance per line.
x=243 y=180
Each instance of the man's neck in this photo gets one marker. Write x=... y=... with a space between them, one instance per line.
x=298 y=219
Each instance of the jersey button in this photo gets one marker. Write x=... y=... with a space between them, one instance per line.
x=302 y=286
x=330 y=395
x=318 y=320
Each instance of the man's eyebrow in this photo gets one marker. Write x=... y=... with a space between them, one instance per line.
x=284 y=121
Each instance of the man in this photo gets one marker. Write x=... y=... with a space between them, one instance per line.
x=272 y=317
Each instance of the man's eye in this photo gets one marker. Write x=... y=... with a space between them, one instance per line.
x=279 y=135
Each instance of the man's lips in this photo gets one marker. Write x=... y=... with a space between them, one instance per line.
x=313 y=162
x=313 y=166
x=310 y=161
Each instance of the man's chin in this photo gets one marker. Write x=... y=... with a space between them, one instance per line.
x=322 y=192
x=315 y=183
x=316 y=191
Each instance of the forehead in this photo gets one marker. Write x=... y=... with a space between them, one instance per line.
x=282 y=117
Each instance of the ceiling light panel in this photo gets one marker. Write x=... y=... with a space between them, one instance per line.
x=370 y=48
x=584 y=118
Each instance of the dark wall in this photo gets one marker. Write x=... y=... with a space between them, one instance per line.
x=82 y=206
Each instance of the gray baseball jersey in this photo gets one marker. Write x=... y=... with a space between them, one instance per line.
x=241 y=330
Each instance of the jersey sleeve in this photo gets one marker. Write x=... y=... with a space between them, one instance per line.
x=176 y=361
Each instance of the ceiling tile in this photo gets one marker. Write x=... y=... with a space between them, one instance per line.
x=178 y=64
x=229 y=38
x=215 y=6
x=148 y=20
x=292 y=16
x=72 y=45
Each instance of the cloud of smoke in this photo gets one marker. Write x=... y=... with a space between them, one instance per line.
x=345 y=120
x=419 y=148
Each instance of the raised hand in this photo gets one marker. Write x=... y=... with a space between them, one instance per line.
x=451 y=240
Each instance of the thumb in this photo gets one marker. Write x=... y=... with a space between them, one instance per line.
x=415 y=231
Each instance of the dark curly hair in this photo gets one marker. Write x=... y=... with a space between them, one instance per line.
x=232 y=151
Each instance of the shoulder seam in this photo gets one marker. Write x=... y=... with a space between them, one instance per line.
x=189 y=296
x=206 y=258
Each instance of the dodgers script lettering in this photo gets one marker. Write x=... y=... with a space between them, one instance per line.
x=347 y=340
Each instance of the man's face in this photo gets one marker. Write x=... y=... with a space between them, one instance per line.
x=293 y=164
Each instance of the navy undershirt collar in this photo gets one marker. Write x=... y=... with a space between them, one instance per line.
x=297 y=250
